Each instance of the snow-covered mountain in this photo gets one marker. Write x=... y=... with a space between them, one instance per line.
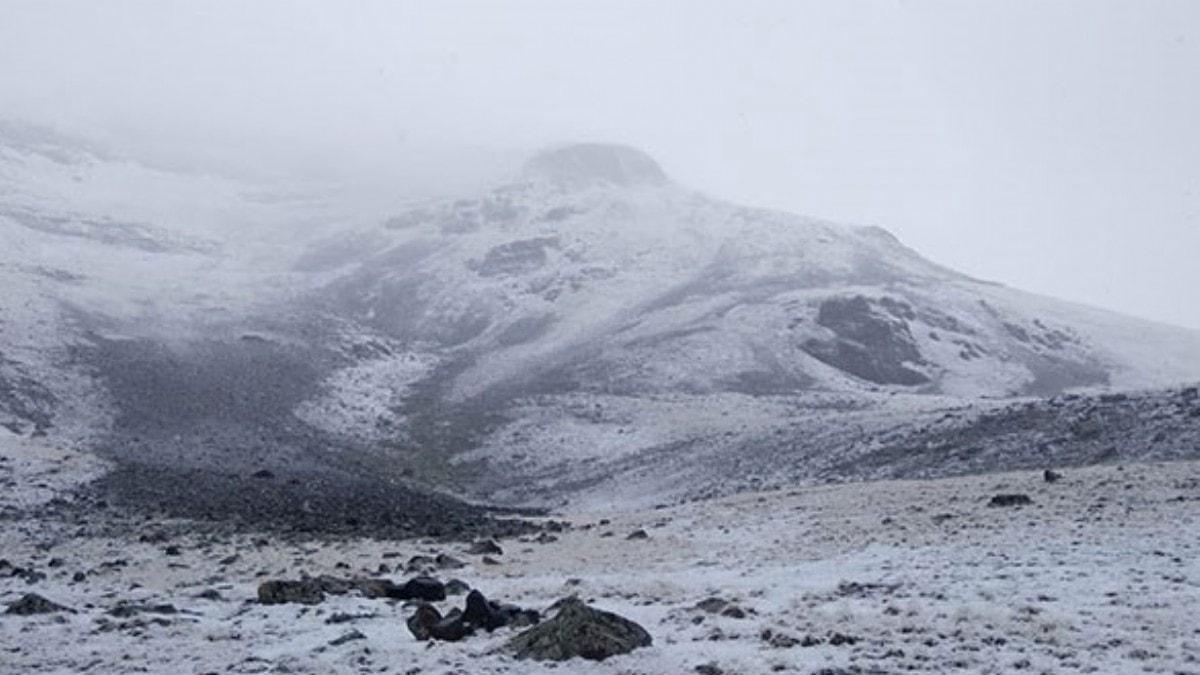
x=596 y=272
x=573 y=323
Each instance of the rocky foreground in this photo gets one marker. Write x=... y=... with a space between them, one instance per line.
x=1093 y=570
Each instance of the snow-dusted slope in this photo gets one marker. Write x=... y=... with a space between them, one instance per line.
x=596 y=272
x=589 y=313
x=95 y=243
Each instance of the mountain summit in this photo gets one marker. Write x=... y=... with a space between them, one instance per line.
x=585 y=163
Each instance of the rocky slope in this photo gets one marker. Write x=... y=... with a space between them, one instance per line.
x=1094 y=574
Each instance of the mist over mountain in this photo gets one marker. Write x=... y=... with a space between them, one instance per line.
x=584 y=315
x=788 y=336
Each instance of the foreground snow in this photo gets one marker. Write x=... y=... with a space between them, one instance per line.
x=1100 y=574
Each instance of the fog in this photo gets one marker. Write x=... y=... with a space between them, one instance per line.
x=1051 y=146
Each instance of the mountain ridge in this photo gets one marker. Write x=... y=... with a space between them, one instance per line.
x=569 y=327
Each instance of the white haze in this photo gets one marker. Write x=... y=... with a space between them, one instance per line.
x=1052 y=146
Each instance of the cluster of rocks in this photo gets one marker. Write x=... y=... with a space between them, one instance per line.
x=479 y=613
x=312 y=590
x=1066 y=430
x=575 y=629
x=28 y=574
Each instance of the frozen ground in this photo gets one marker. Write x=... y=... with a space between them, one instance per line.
x=1099 y=574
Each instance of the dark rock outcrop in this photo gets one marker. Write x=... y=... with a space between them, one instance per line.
x=427 y=623
x=32 y=603
x=869 y=343
x=489 y=615
x=578 y=630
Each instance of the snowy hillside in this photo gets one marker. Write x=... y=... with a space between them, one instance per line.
x=595 y=270
x=588 y=320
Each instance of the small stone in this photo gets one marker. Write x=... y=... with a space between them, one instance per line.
x=839 y=639
x=713 y=605
x=347 y=637
x=485 y=547
x=734 y=612
x=1005 y=500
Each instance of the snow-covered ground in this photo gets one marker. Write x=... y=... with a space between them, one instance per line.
x=1099 y=574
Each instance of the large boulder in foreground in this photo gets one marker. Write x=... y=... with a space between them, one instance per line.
x=579 y=630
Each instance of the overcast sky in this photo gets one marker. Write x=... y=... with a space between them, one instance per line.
x=1052 y=146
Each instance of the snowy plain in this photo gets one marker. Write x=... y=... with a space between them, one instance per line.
x=1099 y=574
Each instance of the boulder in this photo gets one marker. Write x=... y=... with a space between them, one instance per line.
x=485 y=547
x=481 y=612
x=448 y=562
x=420 y=624
x=32 y=603
x=419 y=561
x=347 y=637
x=422 y=588
x=278 y=591
x=377 y=588
x=578 y=630
x=427 y=623
x=488 y=615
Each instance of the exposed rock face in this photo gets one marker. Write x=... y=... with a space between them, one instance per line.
x=579 y=630
x=871 y=343
x=516 y=257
